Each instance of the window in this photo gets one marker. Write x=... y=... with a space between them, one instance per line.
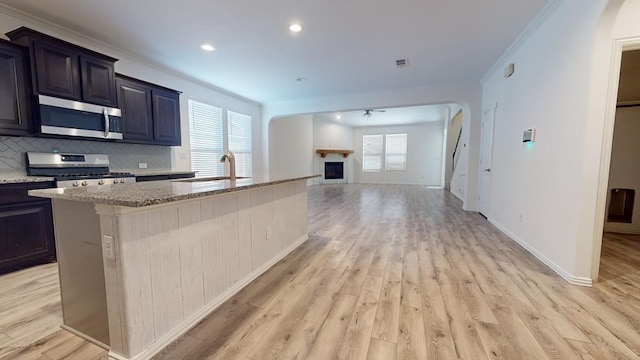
x=205 y=122
x=371 y=152
x=396 y=152
x=239 y=136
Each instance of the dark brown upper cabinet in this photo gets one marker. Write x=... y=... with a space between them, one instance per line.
x=98 y=81
x=135 y=103
x=56 y=70
x=15 y=93
x=150 y=113
x=166 y=117
x=66 y=70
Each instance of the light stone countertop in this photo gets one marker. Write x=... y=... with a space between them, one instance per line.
x=20 y=179
x=152 y=172
x=157 y=192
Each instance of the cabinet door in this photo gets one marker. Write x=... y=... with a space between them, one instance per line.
x=134 y=100
x=57 y=70
x=166 y=117
x=15 y=116
x=26 y=235
x=98 y=81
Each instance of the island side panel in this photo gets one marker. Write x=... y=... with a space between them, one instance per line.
x=134 y=293
x=166 y=238
x=113 y=291
x=302 y=220
x=229 y=234
x=82 y=287
x=211 y=249
x=191 y=258
x=244 y=233
x=262 y=226
x=284 y=208
x=159 y=286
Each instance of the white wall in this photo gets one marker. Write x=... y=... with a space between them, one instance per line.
x=424 y=155
x=625 y=164
x=548 y=196
x=331 y=135
x=467 y=95
x=129 y=65
x=291 y=147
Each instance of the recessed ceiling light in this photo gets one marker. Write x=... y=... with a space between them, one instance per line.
x=300 y=79
x=207 y=47
x=295 y=27
x=338 y=117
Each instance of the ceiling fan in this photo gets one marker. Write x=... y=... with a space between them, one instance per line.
x=368 y=112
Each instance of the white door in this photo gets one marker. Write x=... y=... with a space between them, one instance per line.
x=486 y=146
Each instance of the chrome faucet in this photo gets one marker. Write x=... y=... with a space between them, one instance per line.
x=232 y=164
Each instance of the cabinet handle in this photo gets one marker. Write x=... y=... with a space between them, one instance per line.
x=106 y=122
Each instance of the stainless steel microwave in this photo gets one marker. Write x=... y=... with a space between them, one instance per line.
x=74 y=118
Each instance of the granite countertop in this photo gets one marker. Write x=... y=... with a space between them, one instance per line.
x=19 y=179
x=153 y=172
x=157 y=192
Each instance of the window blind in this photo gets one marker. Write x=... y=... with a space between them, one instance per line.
x=396 y=152
x=239 y=137
x=205 y=122
x=371 y=152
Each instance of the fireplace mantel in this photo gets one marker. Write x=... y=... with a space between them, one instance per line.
x=324 y=152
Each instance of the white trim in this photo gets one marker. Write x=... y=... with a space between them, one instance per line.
x=93 y=43
x=575 y=280
x=540 y=19
x=622 y=230
x=194 y=319
x=619 y=45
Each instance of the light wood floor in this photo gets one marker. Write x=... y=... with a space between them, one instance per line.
x=395 y=272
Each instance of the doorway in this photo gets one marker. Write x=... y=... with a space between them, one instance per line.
x=620 y=247
x=486 y=151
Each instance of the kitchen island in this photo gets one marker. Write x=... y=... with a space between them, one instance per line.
x=171 y=252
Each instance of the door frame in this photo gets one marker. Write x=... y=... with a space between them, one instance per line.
x=619 y=46
x=480 y=167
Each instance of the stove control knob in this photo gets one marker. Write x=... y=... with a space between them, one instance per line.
x=100 y=182
x=84 y=183
x=122 y=181
x=75 y=184
x=115 y=181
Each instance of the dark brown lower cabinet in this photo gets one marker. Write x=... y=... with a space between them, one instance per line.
x=26 y=231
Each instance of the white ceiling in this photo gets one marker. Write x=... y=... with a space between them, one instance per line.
x=391 y=116
x=345 y=46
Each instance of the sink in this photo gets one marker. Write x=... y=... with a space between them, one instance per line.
x=213 y=178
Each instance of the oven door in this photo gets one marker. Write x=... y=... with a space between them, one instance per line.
x=74 y=118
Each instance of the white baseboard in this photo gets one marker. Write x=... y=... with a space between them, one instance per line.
x=620 y=229
x=575 y=280
x=194 y=319
x=459 y=196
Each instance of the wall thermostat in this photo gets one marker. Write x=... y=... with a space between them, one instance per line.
x=529 y=136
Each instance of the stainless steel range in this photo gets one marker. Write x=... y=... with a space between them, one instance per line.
x=74 y=170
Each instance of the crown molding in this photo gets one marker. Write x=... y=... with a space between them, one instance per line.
x=540 y=19
x=98 y=45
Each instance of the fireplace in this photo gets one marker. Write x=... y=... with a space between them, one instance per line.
x=333 y=170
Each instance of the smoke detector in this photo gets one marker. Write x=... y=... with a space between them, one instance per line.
x=400 y=63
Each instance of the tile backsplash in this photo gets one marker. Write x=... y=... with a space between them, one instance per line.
x=121 y=156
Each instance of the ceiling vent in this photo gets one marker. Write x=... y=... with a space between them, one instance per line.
x=400 y=63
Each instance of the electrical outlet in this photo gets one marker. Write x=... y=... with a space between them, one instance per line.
x=268 y=233
x=107 y=247
x=142 y=165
